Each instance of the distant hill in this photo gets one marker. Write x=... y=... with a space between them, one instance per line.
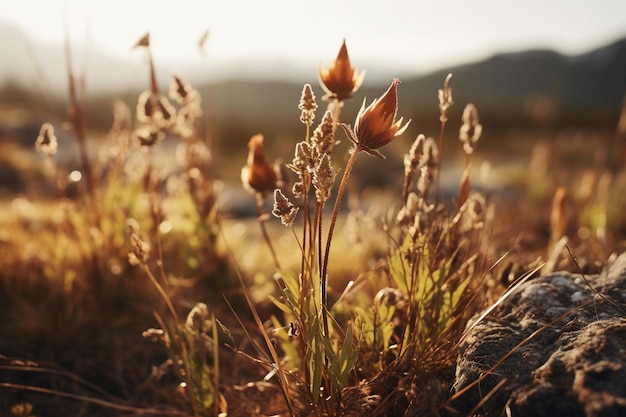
x=574 y=89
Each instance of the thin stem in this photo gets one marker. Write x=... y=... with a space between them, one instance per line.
x=266 y=236
x=331 y=229
x=439 y=159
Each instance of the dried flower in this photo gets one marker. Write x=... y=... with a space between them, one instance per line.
x=323 y=178
x=376 y=124
x=46 y=142
x=340 y=80
x=155 y=109
x=148 y=137
x=307 y=105
x=139 y=250
x=284 y=209
x=183 y=93
x=445 y=99
x=470 y=130
x=259 y=175
x=143 y=42
x=324 y=134
x=198 y=319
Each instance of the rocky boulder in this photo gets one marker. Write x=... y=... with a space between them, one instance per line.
x=556 y=346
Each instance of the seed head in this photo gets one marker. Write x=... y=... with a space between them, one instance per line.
x=470 y=130
x=259 y=175
x=323 y=178
x=139 y=250
x=148 y=137
x=376 y=124
x=46 y=142
x=155 y=109
x=324 y=134
x=307 y=105
x=445 y=100
x=341 y=79
x=284 y=209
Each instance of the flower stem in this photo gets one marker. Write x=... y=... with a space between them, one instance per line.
x=331 y=229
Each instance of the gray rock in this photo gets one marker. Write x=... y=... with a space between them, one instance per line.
x=555 y=347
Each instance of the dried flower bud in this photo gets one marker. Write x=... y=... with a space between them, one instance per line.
x=143 y=42
x=340 y=80
x=46 y=142
x=259 y=175
x=470 y=130
x=307 y=105
x=376 y=124
x=284 y=209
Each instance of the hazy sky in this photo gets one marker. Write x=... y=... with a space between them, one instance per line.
x=408 y=35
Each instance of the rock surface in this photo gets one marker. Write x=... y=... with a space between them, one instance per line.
x=555 y=347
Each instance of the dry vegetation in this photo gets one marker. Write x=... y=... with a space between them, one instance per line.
x=131 y=293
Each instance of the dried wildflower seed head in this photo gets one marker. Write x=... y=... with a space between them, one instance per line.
x=153 y=108
x=46 y=142
x=302 y=158
x=470 y=130
x=298 y=189
x=154 y=335
x=143 y=42
x=259 y=175
x=340 y=80
x=284 y=209
x=324 y=134
x=431 y=153
x=376 y=124
x=139 y=250
x=412 y=159
x=198 y=319
x=307 y=105
x=323 y=178
x=445 y=99
x=182 y=92
x=148 y=137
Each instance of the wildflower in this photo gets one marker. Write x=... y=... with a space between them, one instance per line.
x=148 y=137
x=284 y=209
x=324 y=134
x=139 y=250
x=182 y=92
x=471 y=129
x=445 y=100
x=307 y=105
x=46 y=142
x=341 y=79
x=323 y=178
x=376 y=124
x=153 y=107
x=259 y=175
